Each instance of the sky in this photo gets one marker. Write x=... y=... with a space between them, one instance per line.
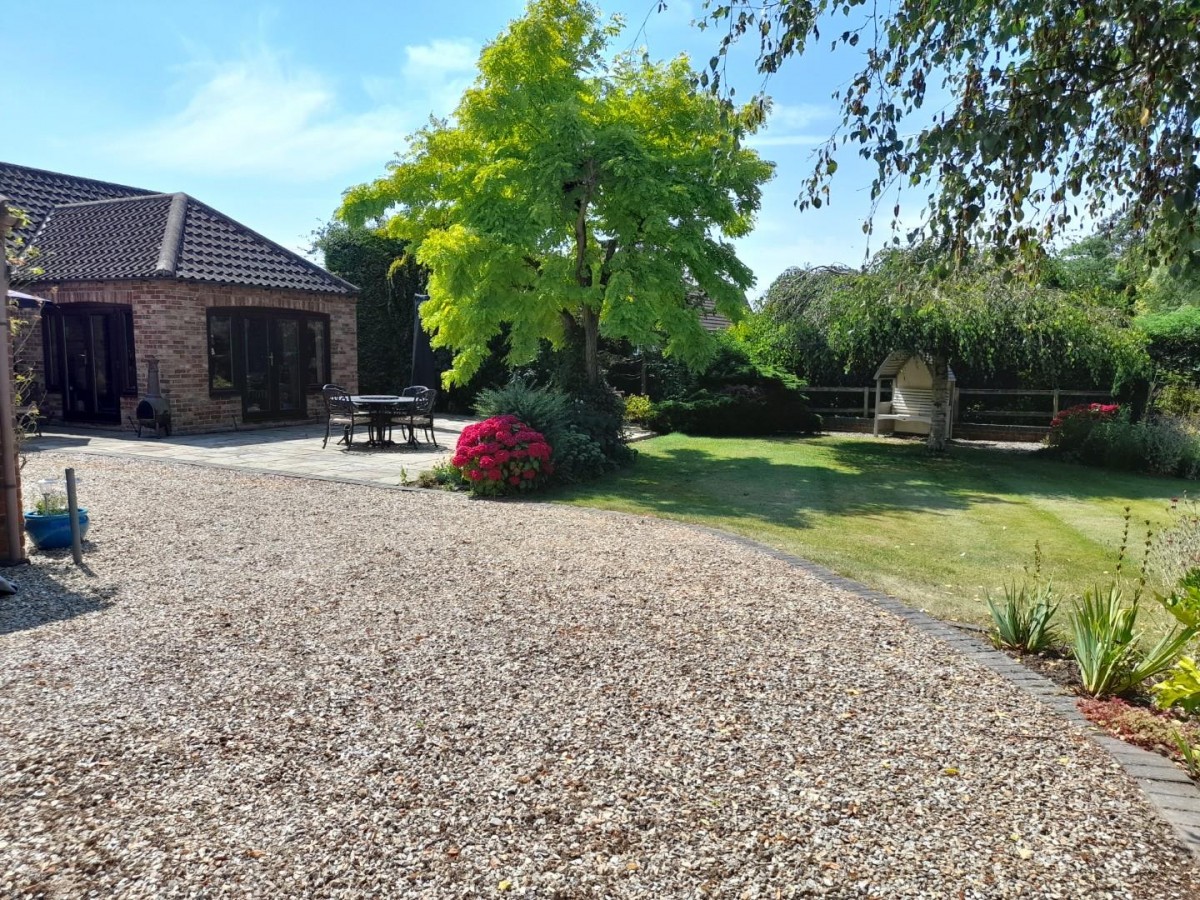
x=268 y=111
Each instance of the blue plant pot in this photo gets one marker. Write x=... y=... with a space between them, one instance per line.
x=53 y=532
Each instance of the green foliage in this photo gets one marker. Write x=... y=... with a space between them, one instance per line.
x=1023 y=621
x=1105 y=645
x=1183 y=602
x=1159 y=446
x=1181 y=687
x=638 y=409
x=1175 y=552
x=1174 y=340
x=1189 y=754
x=443 y=475
x=573 y=197
x=736 y=412
x=584 y=430
x=1057 y=110
x=387 y=283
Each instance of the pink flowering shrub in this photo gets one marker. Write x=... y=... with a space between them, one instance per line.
x=502 y=455
x=1070 y=428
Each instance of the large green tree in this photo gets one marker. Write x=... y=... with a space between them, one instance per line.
x=570 y=197
x=1058 y=109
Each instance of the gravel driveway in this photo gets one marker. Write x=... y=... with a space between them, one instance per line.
x=271 y=687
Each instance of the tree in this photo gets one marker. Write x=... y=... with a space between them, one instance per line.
x=388 y=285
x=570 y=197
x=979 y=316
x=1059 y=109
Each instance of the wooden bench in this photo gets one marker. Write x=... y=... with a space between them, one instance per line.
x=906 y=405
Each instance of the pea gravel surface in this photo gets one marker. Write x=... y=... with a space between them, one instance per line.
x=273 y=687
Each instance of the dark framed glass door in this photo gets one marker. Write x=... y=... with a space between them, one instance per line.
x=89 y=362
x=275 y=384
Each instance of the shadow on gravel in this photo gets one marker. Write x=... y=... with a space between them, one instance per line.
x=41 y=599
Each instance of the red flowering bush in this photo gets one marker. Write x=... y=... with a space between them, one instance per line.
x=502 y=455
x=1070 y=428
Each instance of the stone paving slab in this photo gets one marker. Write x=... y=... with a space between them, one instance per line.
x=287 y=450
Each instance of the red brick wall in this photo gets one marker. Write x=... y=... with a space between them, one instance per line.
x=170 y=323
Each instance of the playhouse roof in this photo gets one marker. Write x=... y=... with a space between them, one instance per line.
x=895 y=361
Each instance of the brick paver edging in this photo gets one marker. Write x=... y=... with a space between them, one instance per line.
x=1175 y=796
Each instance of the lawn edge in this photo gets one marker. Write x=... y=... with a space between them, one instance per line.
x=1176 y=801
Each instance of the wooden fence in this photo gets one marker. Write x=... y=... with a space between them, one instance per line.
x=982 y=406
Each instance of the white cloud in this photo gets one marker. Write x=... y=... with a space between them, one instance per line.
x=786 y=116
x=784 y=140
x=434 y=76
x=262 y=115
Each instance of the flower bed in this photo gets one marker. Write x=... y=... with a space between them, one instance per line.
x=502 y=455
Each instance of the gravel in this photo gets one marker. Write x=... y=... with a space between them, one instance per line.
x=270 y=687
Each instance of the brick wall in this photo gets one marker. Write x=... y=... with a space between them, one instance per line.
x=170 y=323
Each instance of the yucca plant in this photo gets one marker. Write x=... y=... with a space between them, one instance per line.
x=1023 y=622
x=1105 y=645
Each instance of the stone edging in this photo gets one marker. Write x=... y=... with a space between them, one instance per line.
x=1173 y=795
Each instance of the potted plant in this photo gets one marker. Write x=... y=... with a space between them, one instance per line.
x=49 y=523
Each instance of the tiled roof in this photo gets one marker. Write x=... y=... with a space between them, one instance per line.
x=709 y=317
x=86 y=230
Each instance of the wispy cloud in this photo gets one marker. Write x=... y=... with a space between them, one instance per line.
x=434 y=75
x=262 y=115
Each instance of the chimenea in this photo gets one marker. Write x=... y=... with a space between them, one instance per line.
x=153 y=411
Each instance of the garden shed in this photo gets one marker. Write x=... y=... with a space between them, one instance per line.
x=910 y=411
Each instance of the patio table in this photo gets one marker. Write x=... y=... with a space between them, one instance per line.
x=380 y=407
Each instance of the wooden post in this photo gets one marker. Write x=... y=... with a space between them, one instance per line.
x=14 y=534
x=1055 y=413
x=878 y=394
x=73 y=511
x=866 y=401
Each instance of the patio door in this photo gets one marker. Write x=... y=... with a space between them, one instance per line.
x=274 y=377
x=90 y=359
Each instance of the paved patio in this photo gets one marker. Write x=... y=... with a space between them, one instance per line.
x=288 y=450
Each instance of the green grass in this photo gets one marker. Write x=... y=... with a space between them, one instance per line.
x=935 y=532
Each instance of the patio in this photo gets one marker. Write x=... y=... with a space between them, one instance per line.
x=289 y=450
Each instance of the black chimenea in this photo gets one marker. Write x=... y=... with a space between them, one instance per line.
x=154 y=411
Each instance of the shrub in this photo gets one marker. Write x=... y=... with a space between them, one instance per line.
x=1138 y=725
x=444 y=475
x=736 y=411
x=1023 y=621
x=1175 y=551
x=585 y=430
x=638 y=409
x=502 y=455
x=1105 y=645
x=1071 y=427
x=1180 y=688
x=1161 y=446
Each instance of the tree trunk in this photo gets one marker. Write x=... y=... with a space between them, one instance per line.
x=941 y=401
x=591 y=346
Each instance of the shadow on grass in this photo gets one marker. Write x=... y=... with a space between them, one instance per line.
x=792 y=479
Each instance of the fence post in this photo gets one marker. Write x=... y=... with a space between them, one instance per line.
x=1055 y=413
x=866 y=402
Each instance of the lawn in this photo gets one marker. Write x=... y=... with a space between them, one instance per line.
x=937 y=533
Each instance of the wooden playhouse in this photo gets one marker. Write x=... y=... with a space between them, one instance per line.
x=910 y=411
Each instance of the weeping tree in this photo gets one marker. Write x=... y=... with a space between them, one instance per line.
x=571 y=197
x=978 y=315
x=1057 y=110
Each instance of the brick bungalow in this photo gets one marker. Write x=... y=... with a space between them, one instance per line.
x=245 y=331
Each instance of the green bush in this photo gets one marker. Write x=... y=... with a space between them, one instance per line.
x=1174 y=340
x=1161 y=446
x=736 y=412
x=638 y=409
x=585 y=431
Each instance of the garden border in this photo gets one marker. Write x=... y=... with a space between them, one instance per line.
x=1174 y=796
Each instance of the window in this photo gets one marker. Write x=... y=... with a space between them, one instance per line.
x=250 y=348
x=220 y=353
x=316 y=352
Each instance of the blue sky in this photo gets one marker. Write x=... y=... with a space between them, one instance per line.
x=269 y=110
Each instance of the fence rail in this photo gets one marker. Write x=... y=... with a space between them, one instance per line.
x=981 y=416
